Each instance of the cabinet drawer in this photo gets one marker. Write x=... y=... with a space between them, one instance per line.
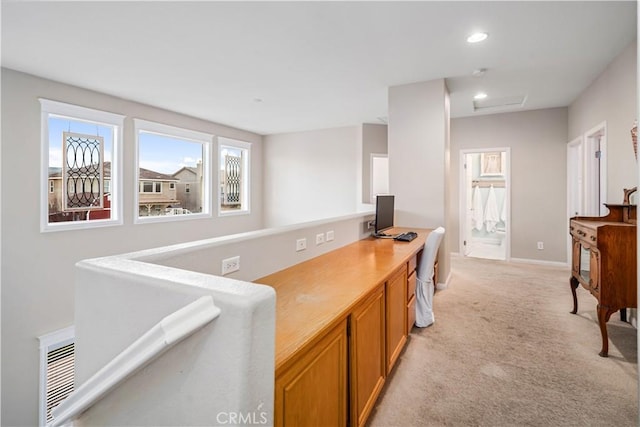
x=411 y=314
x=411 y=286
x=413 y=262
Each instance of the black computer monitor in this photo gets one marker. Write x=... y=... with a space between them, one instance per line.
x=384 y=213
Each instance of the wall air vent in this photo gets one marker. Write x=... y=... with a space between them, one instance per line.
x=507 y=102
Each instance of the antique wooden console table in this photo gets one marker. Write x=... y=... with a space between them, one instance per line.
x=604 y=262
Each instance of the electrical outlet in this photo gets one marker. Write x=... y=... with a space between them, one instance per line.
x=330 y=235
x=301 y=244
x=540 y=246
x=230 y=265
x=319 y=239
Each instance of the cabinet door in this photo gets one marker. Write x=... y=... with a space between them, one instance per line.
x=367 y=355
x=396 y=312
x=313 y=391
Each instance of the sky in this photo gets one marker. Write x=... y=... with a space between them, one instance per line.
x=156 y=152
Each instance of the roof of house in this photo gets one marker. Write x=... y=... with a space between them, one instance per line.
x=149 y=174
x=187 y=168
x=55 y=172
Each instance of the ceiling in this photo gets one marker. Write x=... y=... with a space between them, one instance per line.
x=276 y=67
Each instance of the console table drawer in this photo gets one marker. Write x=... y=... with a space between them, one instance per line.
x=585 y=234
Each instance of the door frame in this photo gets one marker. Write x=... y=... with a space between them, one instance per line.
x=599 y=131
x=575 y=174
x=462 y=191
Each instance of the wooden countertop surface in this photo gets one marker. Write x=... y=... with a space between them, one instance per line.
x=315 y=295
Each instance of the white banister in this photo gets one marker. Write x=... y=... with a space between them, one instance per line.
x=162 y=336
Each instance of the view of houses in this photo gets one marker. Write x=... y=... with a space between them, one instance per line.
x=158 y=193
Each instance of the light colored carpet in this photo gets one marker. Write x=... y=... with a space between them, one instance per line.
x=505 y=351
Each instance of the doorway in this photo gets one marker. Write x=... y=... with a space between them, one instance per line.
x=379 y=179
x=587 y=176
x=485 y=205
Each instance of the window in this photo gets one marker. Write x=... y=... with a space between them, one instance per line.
x=173 y=173
x=80 y=154
x=57 y=370
x=152 y=187
x=233 y=189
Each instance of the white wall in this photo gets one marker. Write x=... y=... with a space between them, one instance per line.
x=538 y=176
x=120 y=299
x=311 y=175
x=38 y=268
x=612 y=97
x=418 y=147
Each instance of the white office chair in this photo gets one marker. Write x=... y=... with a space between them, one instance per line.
x=425 y=285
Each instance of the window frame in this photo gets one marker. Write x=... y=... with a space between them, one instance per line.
x=169 y=131
x=246 y=166
x=50 y=342
x=49 y=109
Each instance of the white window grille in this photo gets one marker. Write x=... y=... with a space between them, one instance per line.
x=57 y=370
x=82 y=171
x=233 y=189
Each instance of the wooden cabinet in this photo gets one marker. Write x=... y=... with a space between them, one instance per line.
x=604 y=262
x=313 y=391
x=396 y=315
x=341 y=324
x=367 y=355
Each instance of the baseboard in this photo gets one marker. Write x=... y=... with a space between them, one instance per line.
x=445 y=285
x=541 y=262
x=524 y=260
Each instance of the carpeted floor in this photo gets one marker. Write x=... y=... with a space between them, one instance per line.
x=505 y=351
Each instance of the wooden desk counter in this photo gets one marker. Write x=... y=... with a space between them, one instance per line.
x=318 y=295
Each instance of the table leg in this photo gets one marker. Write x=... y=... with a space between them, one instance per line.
x=574 y=285
x=604 y=313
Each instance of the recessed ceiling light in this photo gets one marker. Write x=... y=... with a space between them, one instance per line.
x=477 y=37
x=480 y=95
